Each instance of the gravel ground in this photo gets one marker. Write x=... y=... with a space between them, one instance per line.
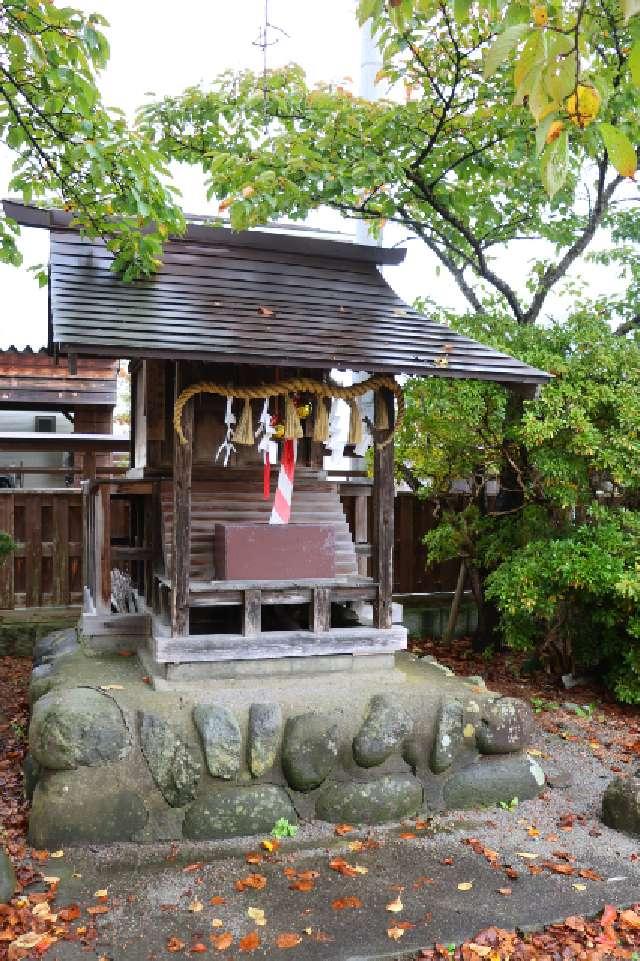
x=527 y=866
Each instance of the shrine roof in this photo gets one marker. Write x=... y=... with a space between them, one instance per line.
x=254 y=297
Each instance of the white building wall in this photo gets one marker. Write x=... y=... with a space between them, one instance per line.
x=25 y=420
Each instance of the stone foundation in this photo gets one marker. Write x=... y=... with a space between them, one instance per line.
x=113 y=759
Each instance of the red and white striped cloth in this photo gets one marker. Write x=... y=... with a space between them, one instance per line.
x=281 y=510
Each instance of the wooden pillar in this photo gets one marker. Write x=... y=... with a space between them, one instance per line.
x=383 y=491
x=361 y=530
x=89 y=465
x=182 y=463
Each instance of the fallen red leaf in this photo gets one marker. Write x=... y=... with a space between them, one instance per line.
x=222 y=941
x=342 y=829
x=349 y=902
x=174 y=945
x=288 y=939
x=250 y=941
x=255 y=881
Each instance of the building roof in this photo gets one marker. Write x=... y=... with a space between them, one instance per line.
x=254 y=297
x=34 y=380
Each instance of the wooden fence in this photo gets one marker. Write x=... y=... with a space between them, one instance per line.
x=45 y=568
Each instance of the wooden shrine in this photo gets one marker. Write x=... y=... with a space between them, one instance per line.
x=249 y=325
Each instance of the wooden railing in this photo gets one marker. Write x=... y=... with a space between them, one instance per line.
x=45 y=568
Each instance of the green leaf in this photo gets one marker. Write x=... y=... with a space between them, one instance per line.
x=461 y=10
x=634 y=63
x=555 y=164
x=622 y=153
x=502 y=47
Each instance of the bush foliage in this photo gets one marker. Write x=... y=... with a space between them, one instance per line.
x=560 y=548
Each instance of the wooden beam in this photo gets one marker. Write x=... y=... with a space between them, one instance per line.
x=182 y=464
x=251 y=613
x=273 y=644
x=320 y=614
x=383 y=493
x=104 y=584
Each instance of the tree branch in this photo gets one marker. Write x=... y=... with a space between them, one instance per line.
x=556 y=272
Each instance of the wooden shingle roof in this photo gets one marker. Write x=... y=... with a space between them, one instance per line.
x=259 y=298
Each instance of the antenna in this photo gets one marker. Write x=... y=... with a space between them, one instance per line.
x=263 y=41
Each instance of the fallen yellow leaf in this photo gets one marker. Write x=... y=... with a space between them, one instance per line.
x=395 y=933
x=57 y=854
x=257 y=915
x=217 y=923
x=526 y=854
x=579 y=887
x=395 y=906
x=465 y=885
x=196 y=906
x=468 y=730
x=102 y=893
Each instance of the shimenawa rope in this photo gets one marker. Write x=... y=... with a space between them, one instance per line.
x=292 y=385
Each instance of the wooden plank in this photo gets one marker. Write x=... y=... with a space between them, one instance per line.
x=33 y=556
x=104 y=584
x=273 y=644
x=361 y=531
x=251 y=613
x=383 y=493
x=181 y=559
x=320 y=610
x=60 y=551
x=7 y=599
x=155 y=400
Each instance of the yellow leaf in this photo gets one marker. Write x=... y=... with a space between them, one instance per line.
x=257 y=915
x=196 y=906
x=102 y=893
x=217 y=923
x=57 y=854
x=395 y=933
x=465 y=885
x=579 y=887
x=468 y=730
x=395 y=906
x=28 y=940
x=112 y=687
x=526 y=854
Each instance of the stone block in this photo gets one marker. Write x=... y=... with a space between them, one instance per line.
x=621 y=805
x=310 y=750
x=493 y=779
x=506 y=726
x=265 y=730
x=55 y=644
x=7 y=878
x=387 y=798
x=31 y=772
x=449 y=734
x=230 y=812
x=383 y=732
x=77 y=726
x=221 y=739
x=173 y=766
x=85 y=806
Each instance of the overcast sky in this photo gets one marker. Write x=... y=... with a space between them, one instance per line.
x=163 y=47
